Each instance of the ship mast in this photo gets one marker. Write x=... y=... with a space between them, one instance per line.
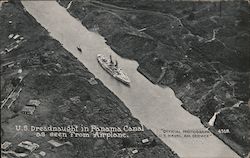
x=111 y=61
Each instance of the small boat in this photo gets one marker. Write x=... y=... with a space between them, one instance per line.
x=113 y=69
x=79 y=49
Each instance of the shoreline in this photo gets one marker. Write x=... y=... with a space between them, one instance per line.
x=234 y=146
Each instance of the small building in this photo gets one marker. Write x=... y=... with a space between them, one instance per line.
x=28 y=145
x=35 y=103
x=19 y=71
x=10 y=36
x=16 y=36
x=54 y=143
x=42 y=153
x=6 y=145
x=92 y=81
x=3 y=52
x=11 y=65
x=145 y=141
x=8 y=65
x=134 y=151
x=58 y=65
x=57 y=144
x=8 y=49
x=28 y=110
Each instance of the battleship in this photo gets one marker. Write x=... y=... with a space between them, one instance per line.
x=113 y=69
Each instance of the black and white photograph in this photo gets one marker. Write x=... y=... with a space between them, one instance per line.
x=125 y=78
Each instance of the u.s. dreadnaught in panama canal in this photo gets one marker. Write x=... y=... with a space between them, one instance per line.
x=113 y=69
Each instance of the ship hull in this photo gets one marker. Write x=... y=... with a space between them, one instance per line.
x=105 y=65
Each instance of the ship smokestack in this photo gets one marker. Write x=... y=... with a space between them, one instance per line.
x=116 y=63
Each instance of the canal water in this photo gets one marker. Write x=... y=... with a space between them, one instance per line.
x=157 y=108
